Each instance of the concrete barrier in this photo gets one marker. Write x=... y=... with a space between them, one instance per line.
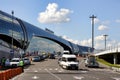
x=10 y=73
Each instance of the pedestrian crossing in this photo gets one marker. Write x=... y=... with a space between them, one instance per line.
x=54 y=70
x=44 y=69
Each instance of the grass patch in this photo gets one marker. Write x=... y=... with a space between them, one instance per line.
x=107 y=63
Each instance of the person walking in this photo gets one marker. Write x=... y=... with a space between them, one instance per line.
x=7 y=63
x=3 y=62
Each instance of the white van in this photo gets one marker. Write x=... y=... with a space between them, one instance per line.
x=68 y=61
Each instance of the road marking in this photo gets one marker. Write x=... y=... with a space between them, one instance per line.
x=35 y=77
x=115 y=78
x=50 y=69
x=27 y=69
x=61 y=70
x=35 y=71
x=45 y=69
x=56 y=69
x=54 y=75
x=81 y=62
x=78 y=77
x=84 y=71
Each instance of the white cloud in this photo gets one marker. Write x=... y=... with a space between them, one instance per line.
x=96 y=20
x=53 y=15
x=102 y=27
x=71 y=40
x=99 y=38
x=86 y=42
x=107 y=22
x=118 y=21
x=99 y=42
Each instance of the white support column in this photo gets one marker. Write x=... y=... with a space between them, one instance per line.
x=115 y=58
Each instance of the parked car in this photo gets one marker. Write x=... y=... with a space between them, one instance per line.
x=15 y=62
x=41 y=57
x=26 y=61
x=69 y=61
x=52 y=56
x=36 y=59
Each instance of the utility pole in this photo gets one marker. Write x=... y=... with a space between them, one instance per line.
x=92 y=17
x=105 y=40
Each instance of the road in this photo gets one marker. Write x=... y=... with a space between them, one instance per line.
x=50 y=70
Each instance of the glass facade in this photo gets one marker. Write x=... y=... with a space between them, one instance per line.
x=44 y=45
x=10 y=26
x=23 y=32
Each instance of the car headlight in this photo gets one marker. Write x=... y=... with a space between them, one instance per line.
x=68 y=64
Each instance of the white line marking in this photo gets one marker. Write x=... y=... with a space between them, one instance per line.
x=79 y=78
x=116 y=78
x=56 y=69
x=35 y=71
x=45 y=69
x=54 y=75
x=84 y=71
x=27 y=69
x=50 y=69
x=35 y=77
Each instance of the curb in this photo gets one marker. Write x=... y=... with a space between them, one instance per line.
x=115 y=69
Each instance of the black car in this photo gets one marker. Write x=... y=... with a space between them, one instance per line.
x=52 y=56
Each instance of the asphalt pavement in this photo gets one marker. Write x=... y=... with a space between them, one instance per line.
x=50 y=70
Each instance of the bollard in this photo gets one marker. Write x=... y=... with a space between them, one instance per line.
x=0 y=67
x=10 y=72
x=0 y=75
x=5 y=75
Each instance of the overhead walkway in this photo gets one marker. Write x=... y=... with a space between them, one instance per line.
x=112 y=54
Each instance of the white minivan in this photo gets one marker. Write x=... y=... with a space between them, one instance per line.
x=68 y=61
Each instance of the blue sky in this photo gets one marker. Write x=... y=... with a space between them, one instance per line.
x=70 y=18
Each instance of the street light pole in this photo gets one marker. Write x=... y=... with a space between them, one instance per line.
x=105 y=40
x=12 y=28
x=92 y=17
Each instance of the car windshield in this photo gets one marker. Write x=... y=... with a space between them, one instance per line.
x=71 y=59
x=14 y=60
x=36 y=57
x=26 y=59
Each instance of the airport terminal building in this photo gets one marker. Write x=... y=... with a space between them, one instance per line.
x=16 y=34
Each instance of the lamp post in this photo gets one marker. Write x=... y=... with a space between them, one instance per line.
x=92 y=17
x=12 y=28
x=105 y=36
x=12 y=51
